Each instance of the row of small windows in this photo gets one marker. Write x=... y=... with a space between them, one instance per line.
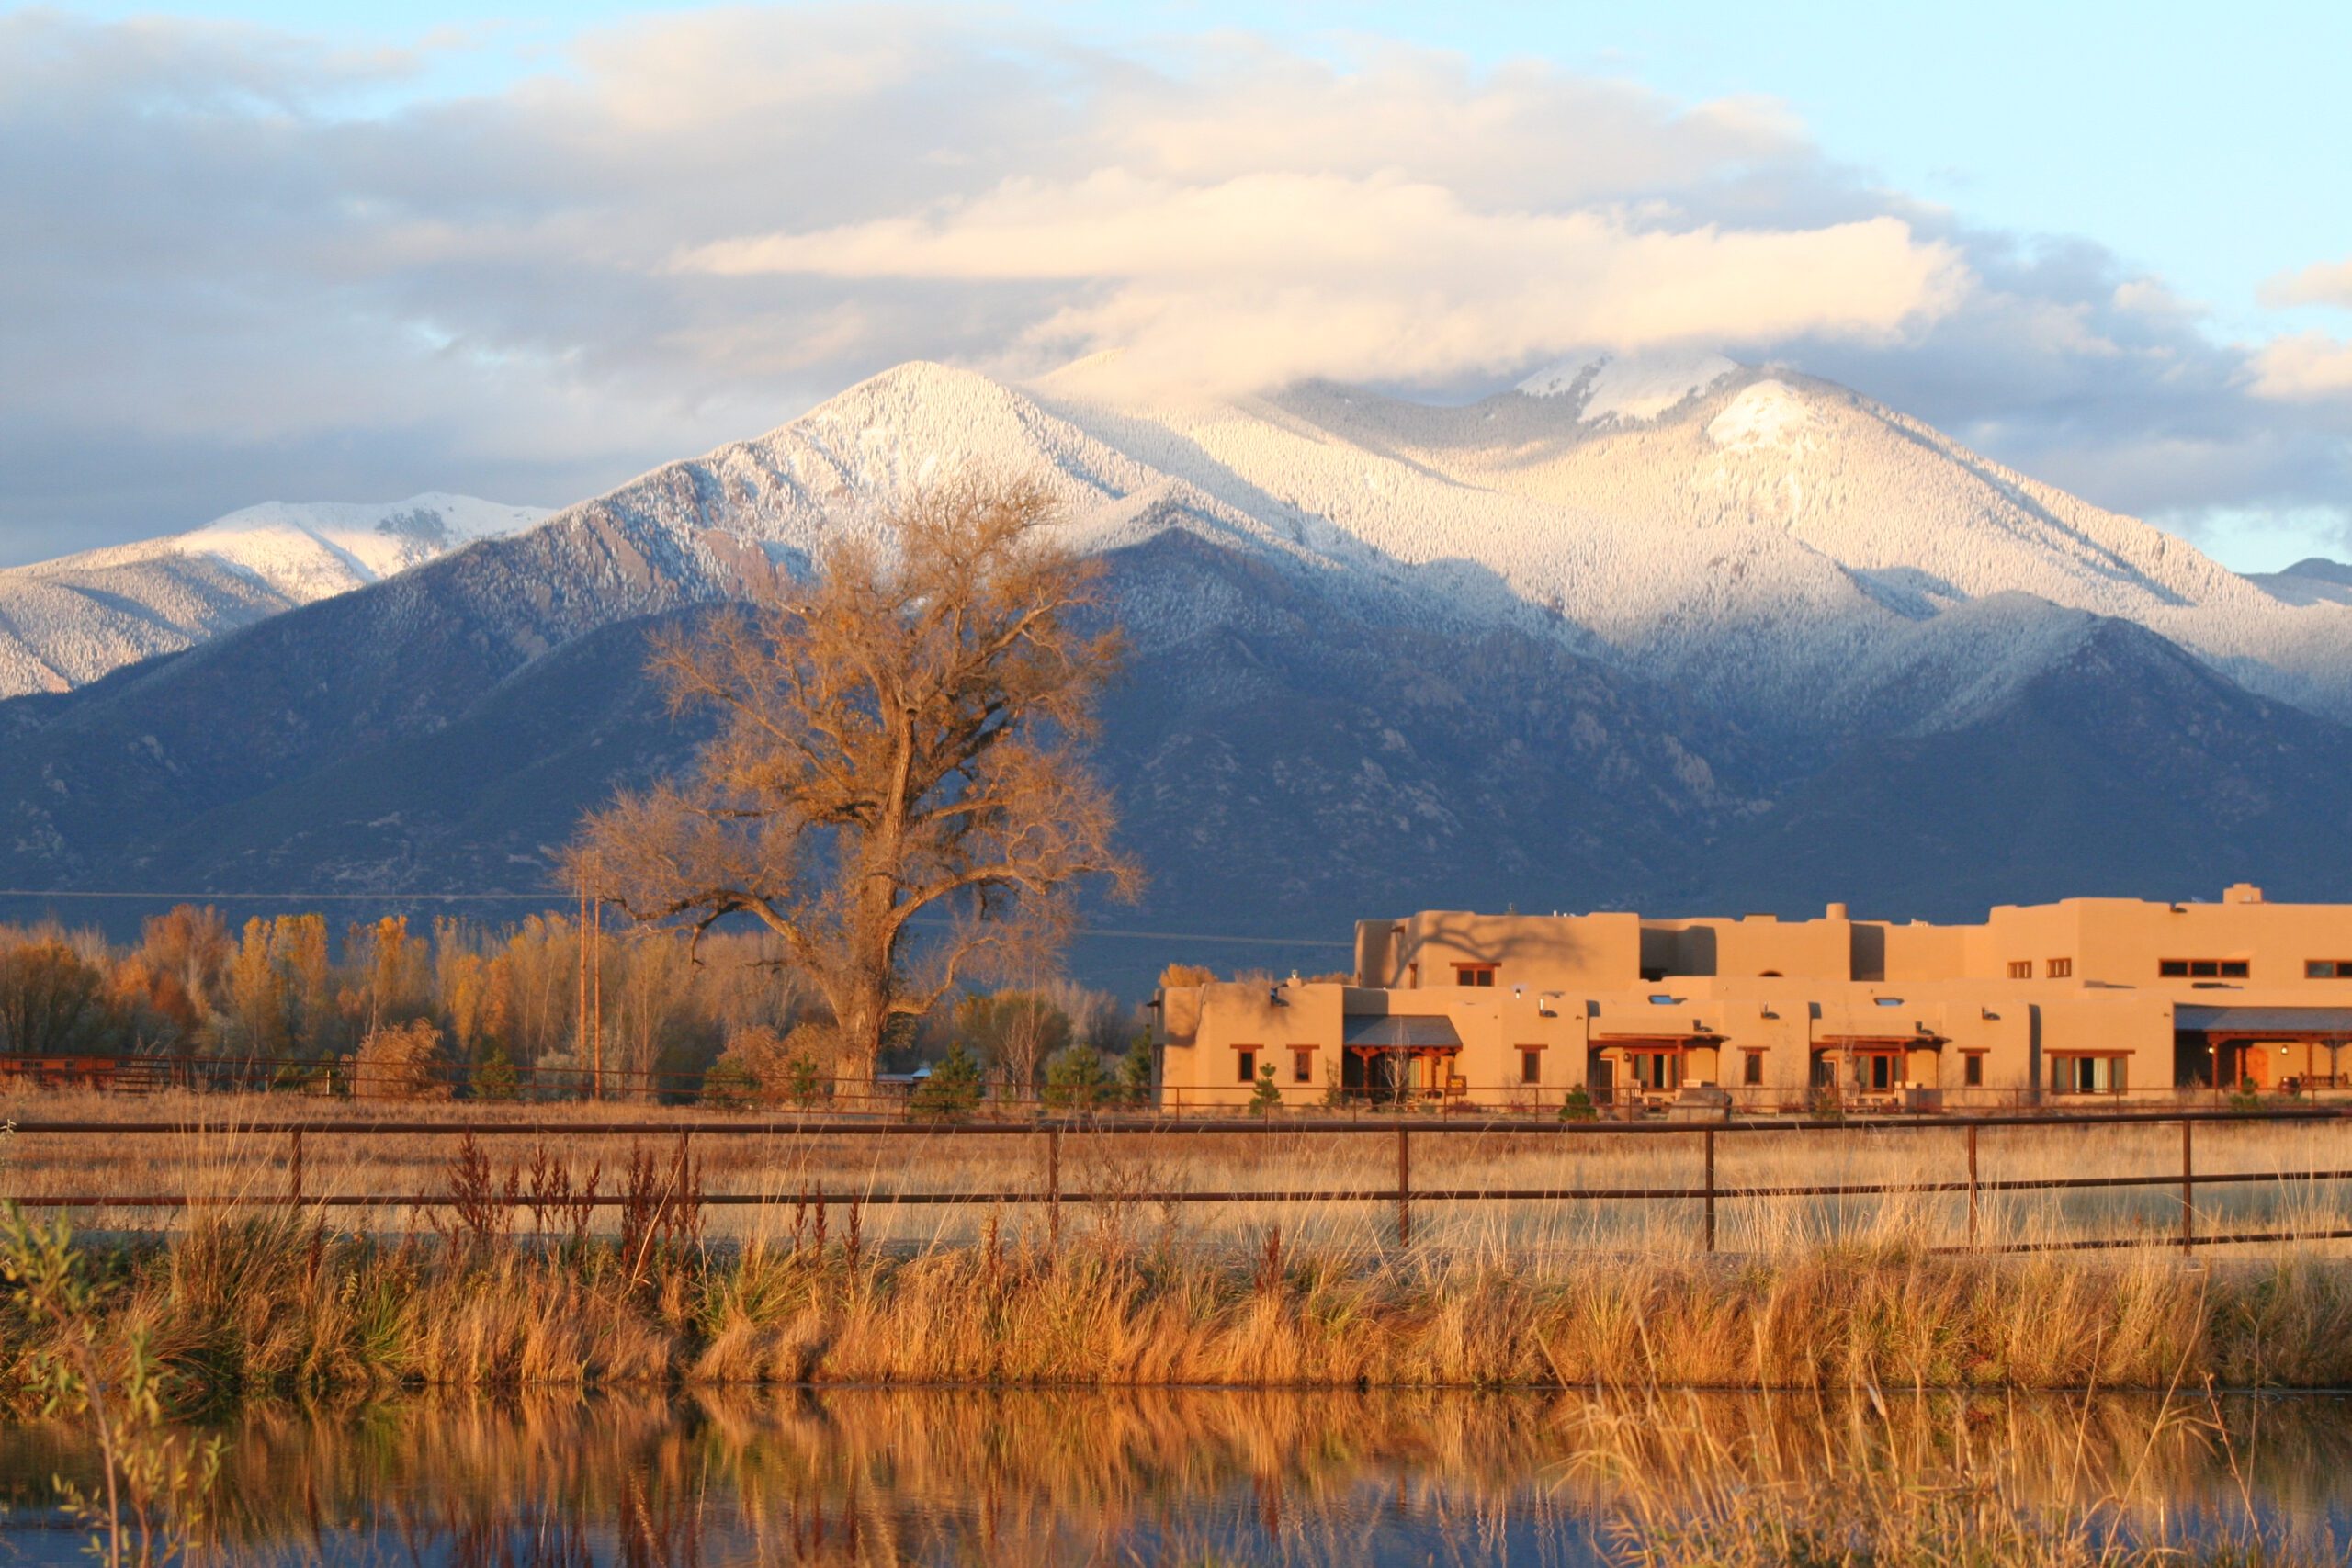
x=2053 y=968
x=2201 y=968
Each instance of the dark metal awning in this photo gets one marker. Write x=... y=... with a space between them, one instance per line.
x=1426 y=1031
x=1921 y=1041
x=2268 y=1023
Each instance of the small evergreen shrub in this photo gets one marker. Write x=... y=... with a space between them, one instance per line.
x=494 y=1078
x=952 y=1090
x=1074 y=1079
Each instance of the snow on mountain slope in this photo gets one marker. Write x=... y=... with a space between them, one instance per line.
x=1612 y=389
x=1769 y=541
x=67 y=622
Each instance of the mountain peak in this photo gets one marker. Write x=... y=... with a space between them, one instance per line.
x=1630 y=388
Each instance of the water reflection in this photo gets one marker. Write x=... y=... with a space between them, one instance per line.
x=844 y=1477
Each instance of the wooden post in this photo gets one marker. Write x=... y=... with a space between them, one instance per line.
x=1709 y=1139
x=2188 y=1189
x=1404 y=1186
x=1972 y=1186
x=1053 y=1187
x=294 y=1171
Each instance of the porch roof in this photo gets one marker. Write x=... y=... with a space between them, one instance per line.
x=2266 y=1023
x=1424 y=1030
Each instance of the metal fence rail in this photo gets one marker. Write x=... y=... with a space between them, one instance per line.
x=1051 y=1193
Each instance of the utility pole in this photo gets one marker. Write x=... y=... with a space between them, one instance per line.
x=580 y=1007
x=596 y=990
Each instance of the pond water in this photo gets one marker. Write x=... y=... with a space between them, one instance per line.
x=1198 y=1477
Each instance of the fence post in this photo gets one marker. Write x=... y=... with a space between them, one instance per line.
x=1708 y=1138
x=2188 y=1189
x=294 y=1171
x=1404 y=1186
x=1053 y=1187
x=1972 y=1186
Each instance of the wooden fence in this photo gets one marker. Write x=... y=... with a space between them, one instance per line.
x=1052 y=1193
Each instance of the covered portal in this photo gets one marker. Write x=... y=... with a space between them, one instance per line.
x=2260 y=1047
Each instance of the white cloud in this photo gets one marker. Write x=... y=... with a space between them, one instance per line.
x=240 y=265
x=2323 y=283
x=1263 y=279
x=2305 y=367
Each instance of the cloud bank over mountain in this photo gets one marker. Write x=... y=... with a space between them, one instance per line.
x=267 y=265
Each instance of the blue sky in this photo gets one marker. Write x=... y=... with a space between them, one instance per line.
x=2104 y=210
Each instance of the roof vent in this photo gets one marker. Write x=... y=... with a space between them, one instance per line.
x=2241 y=893
x=1837 y=912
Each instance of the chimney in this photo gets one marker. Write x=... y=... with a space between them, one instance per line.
x=1837 y=912
x=2241 y=893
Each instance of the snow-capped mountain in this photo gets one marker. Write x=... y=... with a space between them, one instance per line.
x=1666 y=632
x=66 y=622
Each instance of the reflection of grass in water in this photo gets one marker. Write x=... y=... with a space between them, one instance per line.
x=861 y=1475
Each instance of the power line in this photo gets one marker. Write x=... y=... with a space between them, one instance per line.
x=548 y=899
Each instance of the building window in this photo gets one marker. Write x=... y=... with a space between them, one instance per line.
x=2327 y=969
x=1657 y=1071
x=1531 y=1063
x=2061 y=969
x=2021 y=969
x=1972 y=1069
x=1878 y=1070
x=2201 y=968
x=1751 y=1071
x=1245 y=1064
x=1302 y=1064
x=2088 y=1074
x=1474 y=974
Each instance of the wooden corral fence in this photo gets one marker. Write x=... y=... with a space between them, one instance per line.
x=1051 y=1193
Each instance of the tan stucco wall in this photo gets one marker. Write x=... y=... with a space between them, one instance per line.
x=1568 y=984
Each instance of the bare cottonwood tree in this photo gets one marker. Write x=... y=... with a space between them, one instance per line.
x=899 y=738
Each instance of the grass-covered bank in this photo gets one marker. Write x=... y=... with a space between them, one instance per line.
x=269 y=1301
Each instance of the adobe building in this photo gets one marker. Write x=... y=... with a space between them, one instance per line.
x=2053 y=1002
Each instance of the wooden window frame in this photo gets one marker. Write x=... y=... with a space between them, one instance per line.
x=1479 y=976
x=1900 y=1070
x=1972 y=1069
x=2059 y=968
x=1531 y=1064
x=2205 y=969
x=1302 y=1064
x=1751 y=1066
x=2327 y=969
x=2118 y=1072
x=2021 y=968
x=1246 y=1059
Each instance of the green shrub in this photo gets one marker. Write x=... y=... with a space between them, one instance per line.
x=1074 y=1079
x=953 y=1088
x=1265 y=1097
x=1577 y=1106
x=494 y=1077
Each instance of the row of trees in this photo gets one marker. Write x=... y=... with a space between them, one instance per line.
x=460 y=1002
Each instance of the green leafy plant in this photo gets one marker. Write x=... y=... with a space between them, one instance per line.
x=156 y=1484
x=1578 y=1105
x=1265 y=1099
